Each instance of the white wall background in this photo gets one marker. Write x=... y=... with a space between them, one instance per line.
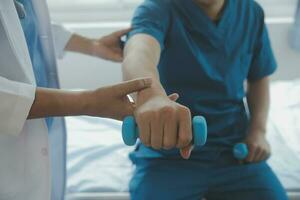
x=95 y=18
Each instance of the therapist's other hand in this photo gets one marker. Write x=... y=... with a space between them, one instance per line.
x=112 y=101
x=165 y=124
x=259 y=147
x=109 y=47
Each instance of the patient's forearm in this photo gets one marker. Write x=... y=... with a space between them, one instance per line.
x=259 y=101
x=52 y=102
x=142 y=54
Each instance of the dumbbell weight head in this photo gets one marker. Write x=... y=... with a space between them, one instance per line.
x=129 y=131
x=240 y=151
x=199 y=131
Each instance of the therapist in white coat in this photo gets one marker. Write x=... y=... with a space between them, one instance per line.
x=32 y=144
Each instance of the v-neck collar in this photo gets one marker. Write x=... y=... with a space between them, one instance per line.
x=198 y=20
x=223 y=18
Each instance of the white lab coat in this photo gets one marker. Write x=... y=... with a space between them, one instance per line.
x=25 y=167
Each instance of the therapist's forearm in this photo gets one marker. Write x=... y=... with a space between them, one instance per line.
x=52 y=102
x=141 y=57
x=259 y=102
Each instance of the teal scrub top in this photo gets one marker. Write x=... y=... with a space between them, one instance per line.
x=208 y=62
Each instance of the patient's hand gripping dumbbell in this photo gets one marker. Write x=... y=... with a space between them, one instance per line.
x=130 y=131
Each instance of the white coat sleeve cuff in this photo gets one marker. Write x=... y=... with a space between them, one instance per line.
x=16 y=101
x=61 y=37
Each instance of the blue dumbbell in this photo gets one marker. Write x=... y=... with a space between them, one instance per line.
x=240 y=151
x=130 y=131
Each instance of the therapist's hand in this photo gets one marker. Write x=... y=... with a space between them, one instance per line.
x=112 y=101
x=164 y=124
x=259 y=147
x=109 y=47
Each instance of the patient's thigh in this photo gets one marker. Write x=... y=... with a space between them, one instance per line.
x=166 y=180
x=248 y=182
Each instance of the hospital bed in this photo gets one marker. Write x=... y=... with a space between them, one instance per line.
x=99 y=168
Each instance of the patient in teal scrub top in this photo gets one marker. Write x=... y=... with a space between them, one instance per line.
x=204 y=50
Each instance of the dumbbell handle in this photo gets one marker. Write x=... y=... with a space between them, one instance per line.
x=240 y=151
x=130 y=131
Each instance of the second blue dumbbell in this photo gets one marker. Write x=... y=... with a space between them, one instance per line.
x=240 y=151
x=130 y=131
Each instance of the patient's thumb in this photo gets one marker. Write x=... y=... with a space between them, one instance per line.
x=174 y=97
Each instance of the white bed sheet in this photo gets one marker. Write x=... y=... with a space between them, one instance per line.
x=284 y=132
x=98 y=159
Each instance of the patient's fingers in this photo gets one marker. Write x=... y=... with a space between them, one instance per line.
x=144 y=132
x=252 y=152
x=186 y=151
x=157 y=132
x=170 y=126
x=259 y=154
x=170 y=132
x=145 y=137
x=185 y=136
x=267 y=155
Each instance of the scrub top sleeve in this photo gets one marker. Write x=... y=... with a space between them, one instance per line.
x=263 y=62
x=152 y=18
x=16 y=100
x=61 y=37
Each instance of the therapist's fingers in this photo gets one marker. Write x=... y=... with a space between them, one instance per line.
x=117 y=58
x=112 y=52
x=132 y=86
x=120 y=108
x=122 y=32
x=172 y=97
